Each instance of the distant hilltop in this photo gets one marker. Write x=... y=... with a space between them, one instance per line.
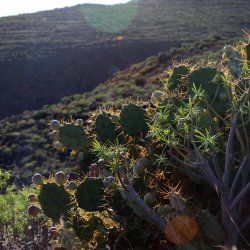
x=50 y=54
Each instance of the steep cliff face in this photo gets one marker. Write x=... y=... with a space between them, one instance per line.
x=47 y=55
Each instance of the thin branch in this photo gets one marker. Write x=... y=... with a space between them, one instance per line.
x=208 y=174
x=246 y=136
x=238 y=198
x=120 y=178
x=242 y=144
x=237 y=177
x=149 y=213
x=217 y=166
x=228 y=159
x=179 y=160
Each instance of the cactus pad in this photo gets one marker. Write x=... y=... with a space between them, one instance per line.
x=178 y=77
x=133 y=120
x=209 y=80
x=177 y=202
x=105 y=128
x=54 y=201
x=73 y=137
x=89 y=194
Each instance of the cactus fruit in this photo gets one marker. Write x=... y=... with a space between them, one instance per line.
x=79 y=122
x=58 y=146
x=72 y=176
x=133 y=120
x=177 y=202
x=210 y=80
x=60 y=178
x=38 y=179
x=109 y=182
x=33 y=210
x=71 y=185
x=178 y=77
x=54 y=136
x=181 y=229
x=89 y=194
x=165 y=210
x=139 y=170
x=105 y=128
x=149 y=198
x=141 y=166
x=32 y=198
x=55 y=125
x=100 y=163
x=52 y=232
x=73 y=137
x=144 y=162
x=54 y=200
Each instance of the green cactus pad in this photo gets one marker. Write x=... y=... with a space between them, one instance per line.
x=209 y=80
x=73 y=137
x=178 y=77
x=177 y=202
x=89 y=194
x=133 y=120
x=54 y=201
x=105 y=128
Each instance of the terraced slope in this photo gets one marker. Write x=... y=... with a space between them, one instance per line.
x=25 y=146
x=47 y=55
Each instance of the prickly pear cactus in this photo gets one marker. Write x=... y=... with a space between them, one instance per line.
x=133 y=120
x=105 y=128
x=215 y=92
x=54 y=200
x=234 y=60
x=177 y=202
x=73 y=137
x=178 y=77
x=89 y=194
x=92 y=231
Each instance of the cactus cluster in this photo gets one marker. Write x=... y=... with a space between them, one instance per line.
x=191 y=131
x=69 y=135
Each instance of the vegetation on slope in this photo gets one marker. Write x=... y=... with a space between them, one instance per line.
x=25 y=143
x=50 y=54
x=172 y=172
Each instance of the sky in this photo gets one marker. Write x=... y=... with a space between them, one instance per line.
x=15 y=7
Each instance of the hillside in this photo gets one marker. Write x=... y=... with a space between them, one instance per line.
x=25 y=146
x=50 y=54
